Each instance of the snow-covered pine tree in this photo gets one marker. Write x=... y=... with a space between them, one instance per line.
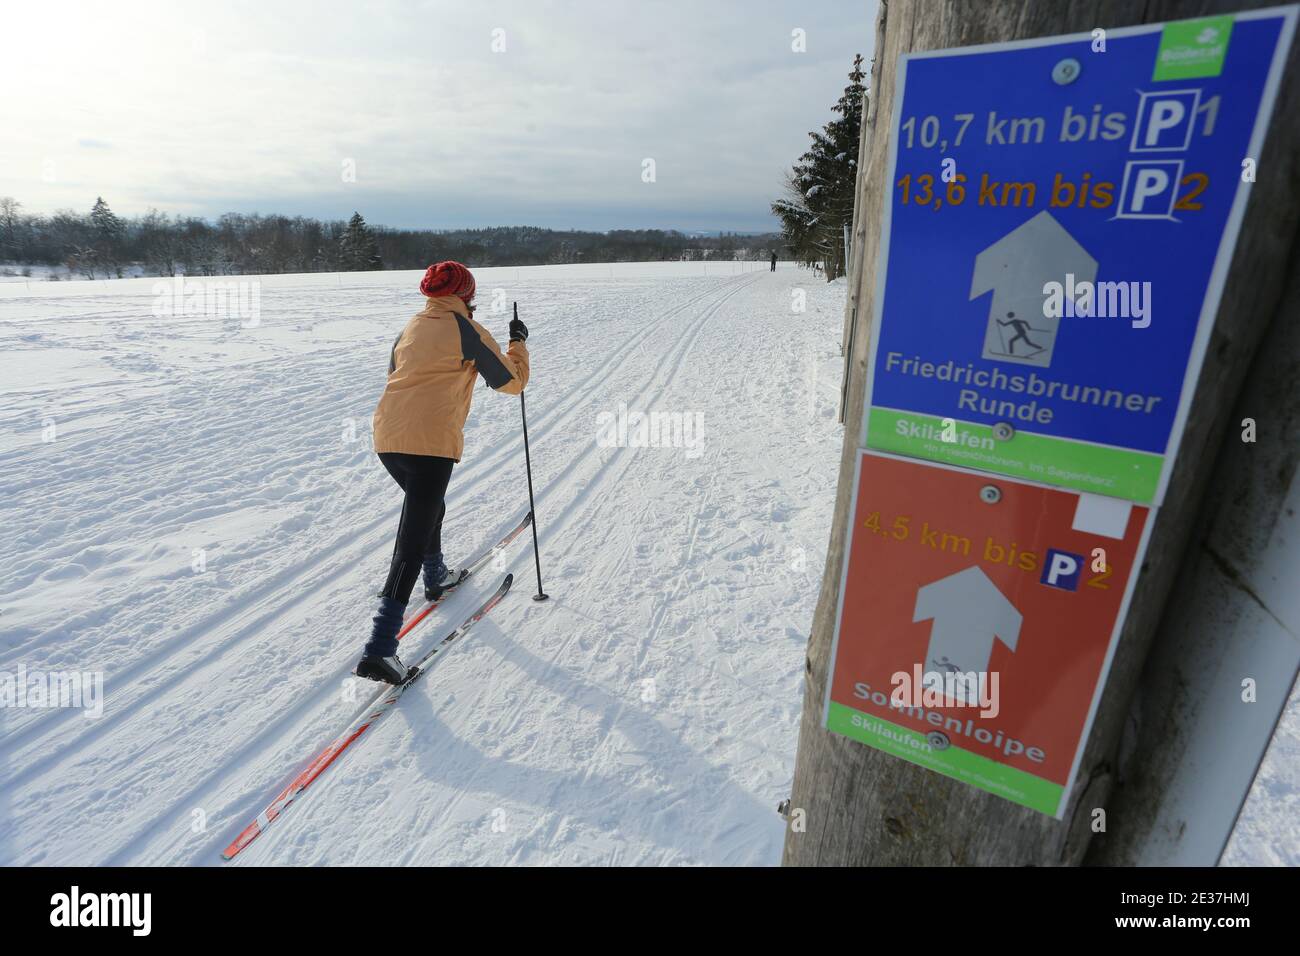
x=820 y=187
x=358 y=249
x=108 y=236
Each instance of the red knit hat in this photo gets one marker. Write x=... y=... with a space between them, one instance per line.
x=448 y=278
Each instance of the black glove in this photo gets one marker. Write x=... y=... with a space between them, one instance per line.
x=518 y=331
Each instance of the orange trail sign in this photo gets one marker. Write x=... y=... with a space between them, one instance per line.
x=978 y=617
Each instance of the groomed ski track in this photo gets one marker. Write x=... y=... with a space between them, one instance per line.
x=645 y=715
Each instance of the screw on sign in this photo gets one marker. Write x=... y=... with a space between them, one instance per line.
x=1066 y=72
x=938 y=586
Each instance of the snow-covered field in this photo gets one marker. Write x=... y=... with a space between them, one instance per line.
x=192 y=509
x=192 y=513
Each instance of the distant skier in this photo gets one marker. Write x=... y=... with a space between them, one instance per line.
x=774 y=262
x=419 y=435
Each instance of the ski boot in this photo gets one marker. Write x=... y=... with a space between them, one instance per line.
x=389 y=670
x=379 y=660
x=439 y=579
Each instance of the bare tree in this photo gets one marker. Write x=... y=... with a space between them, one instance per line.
x=10 y=224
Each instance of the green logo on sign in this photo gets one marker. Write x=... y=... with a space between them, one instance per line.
x=1193 y=48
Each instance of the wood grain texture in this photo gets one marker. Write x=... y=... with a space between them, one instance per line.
x=863 y=807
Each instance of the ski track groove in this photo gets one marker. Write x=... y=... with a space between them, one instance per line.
x=609 y=723
x=568 y=515
x=484 y=467
x=380 y=529
x=189 y=667
x=652 y=632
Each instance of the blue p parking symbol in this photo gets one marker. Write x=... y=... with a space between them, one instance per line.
x=1061 y=570
x=1165 y=121
x=1150 y=189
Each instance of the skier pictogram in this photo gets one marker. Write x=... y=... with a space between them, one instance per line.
x=1022 y=328
x=1014 y=269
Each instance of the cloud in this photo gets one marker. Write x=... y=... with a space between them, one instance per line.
x=253 y=106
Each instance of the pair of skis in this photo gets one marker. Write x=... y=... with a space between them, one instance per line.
x=382 y=702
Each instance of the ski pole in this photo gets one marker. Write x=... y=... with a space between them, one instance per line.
x=528 y=463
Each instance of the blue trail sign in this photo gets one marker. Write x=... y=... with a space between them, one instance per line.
x=1062 y=217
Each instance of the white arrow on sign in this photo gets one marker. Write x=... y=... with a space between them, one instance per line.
x=969 y=613
x=1015 y=269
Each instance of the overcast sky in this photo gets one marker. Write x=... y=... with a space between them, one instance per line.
x=255 y=105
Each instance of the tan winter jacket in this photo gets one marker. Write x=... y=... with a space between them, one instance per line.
x=431 y=378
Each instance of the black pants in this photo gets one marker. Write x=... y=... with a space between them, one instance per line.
x=424 y=478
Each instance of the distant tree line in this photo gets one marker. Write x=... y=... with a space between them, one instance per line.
x=100 y=244
x=820 y=189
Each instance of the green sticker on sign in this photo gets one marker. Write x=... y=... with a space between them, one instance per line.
x=1101 y=469
x=1191 y=49
x=971 y=768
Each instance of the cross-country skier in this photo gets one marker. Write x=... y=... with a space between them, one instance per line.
x=419 y=435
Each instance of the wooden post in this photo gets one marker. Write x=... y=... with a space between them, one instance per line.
x=863 y=807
